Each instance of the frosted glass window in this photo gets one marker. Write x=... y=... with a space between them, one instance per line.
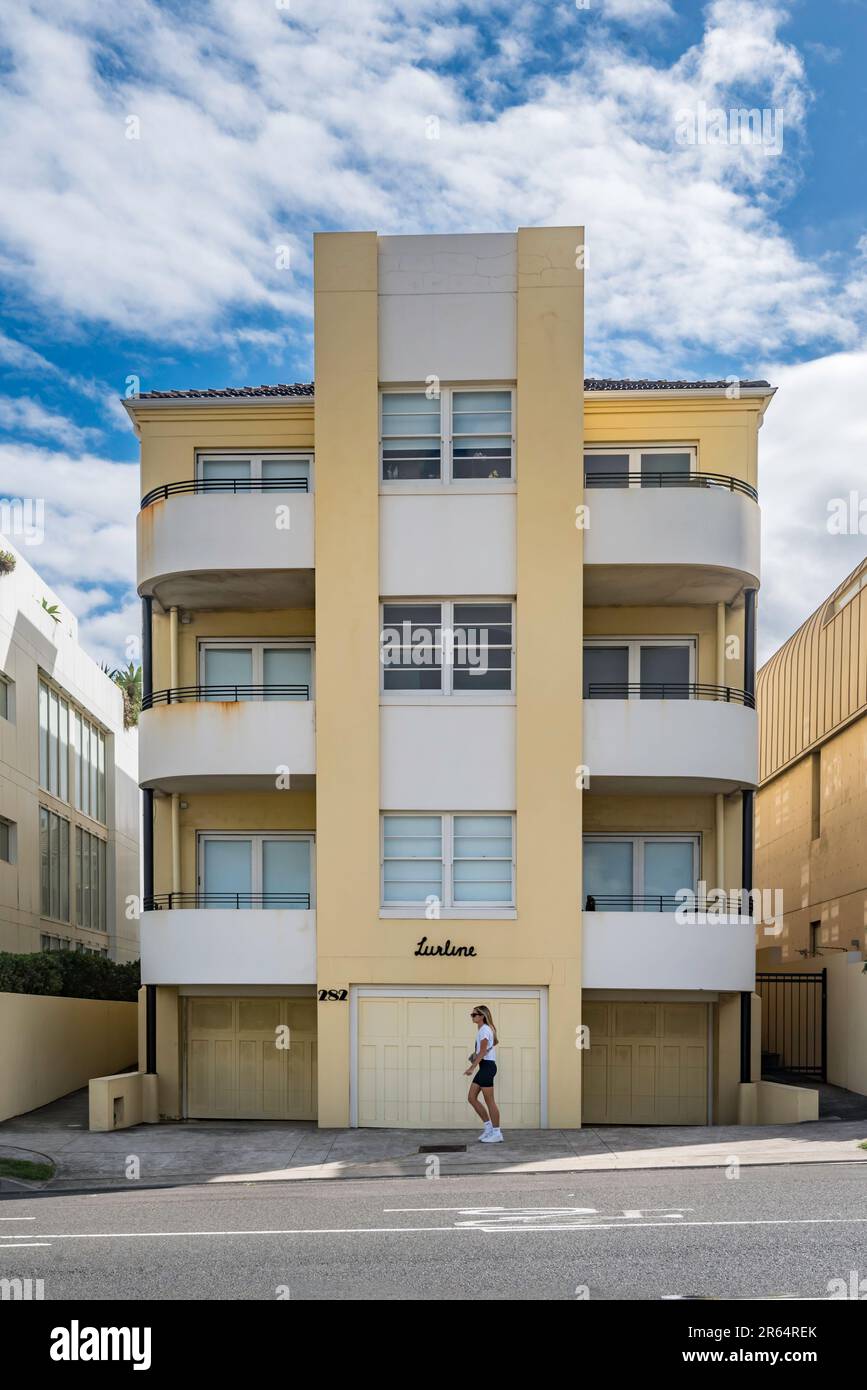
x=228 y=871
x=228 y=666
x=274 y=470
x=287 y=666
x=286 y=869
x=482 y=859
x=413 y=868
x=668 y=866
x=233 y=473
x=608 y=873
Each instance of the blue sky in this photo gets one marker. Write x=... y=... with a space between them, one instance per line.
x=256 y=123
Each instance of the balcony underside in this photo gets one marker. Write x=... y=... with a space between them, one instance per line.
x=663 y=585
x=248 y=589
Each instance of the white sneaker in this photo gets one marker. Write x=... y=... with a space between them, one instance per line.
x=486 y=1129
x=495 y=1137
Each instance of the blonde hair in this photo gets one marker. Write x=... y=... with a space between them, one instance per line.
x=489 y=1019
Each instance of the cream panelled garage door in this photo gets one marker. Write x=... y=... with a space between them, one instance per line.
x=235 y=1068
x=646 y=1064
x=412 y=1052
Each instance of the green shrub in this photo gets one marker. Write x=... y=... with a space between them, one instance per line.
x=74 y=974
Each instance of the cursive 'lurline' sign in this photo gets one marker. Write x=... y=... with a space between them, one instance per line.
x=423 y=949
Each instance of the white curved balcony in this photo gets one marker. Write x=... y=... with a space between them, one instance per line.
x=189 y=744
x=215 y=548
x=671 y=745
x=681 y=543
x=227 y=946
x=652 y=950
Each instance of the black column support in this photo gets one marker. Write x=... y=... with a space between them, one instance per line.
x=748 y=815
x=147 y=687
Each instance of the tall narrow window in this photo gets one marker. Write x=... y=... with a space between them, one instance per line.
x=481 y=434
x=411 y=439
x=54 y=865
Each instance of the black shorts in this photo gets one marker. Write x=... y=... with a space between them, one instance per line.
x=485 y=1074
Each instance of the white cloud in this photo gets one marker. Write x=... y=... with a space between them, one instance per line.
x=22 y=415
x=634 y=11
x=254 y=119
x=812 y=449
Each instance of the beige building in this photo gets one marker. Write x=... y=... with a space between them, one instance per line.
x=69 y=804
x=437 y=715
x=811 y=842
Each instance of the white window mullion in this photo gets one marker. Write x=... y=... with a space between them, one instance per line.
x=446 y=428
x=448 y=862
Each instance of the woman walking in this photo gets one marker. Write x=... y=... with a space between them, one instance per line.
x=485 y=1055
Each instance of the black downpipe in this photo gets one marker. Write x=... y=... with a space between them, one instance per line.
x=748 y=813
x=147 y=686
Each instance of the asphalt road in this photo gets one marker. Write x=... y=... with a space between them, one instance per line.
x=777 y=1231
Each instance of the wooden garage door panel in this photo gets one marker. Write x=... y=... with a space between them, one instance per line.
x=412 y=1054
x=238 y=1063
x=650 y=1068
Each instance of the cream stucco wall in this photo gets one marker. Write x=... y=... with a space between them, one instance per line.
x=51 y=1046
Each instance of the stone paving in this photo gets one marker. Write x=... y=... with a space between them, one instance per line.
x=198 y=1151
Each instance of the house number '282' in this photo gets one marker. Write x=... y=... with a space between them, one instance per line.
x=333 y=995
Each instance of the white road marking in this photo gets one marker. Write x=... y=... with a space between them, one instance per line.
x=421 y=1230
x=17 y=1218
x=28 y=1245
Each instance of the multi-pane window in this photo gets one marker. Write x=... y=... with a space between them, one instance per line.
x=451 y=435
x=88 y=765
x=5 y=701
x=259 y=870
x=7 y=841
x=453 y=860
x=451 y=647
x=648 y=669
x=257 y=670
x=66 y=735
x=638 y=873
x=624 y=466
x=54 y=943
x=54 y=865
x=89 y=880
x=245 y=472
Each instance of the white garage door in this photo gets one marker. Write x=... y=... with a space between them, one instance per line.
x=412 y=1052
x=238 y=1064
x=646 y=1064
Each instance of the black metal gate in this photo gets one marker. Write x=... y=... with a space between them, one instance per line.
x=794 y=1022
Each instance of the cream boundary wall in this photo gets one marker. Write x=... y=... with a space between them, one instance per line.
x=31 y=641
x=52 y=1045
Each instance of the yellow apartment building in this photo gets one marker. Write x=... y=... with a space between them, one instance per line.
x=449 y=695
x=811 y=831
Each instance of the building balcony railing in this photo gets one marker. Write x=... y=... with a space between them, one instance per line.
x=643 y=478
x=167 y=902
x=185 y=694
x=729 y=903
x=668 y=690
x=233 y=485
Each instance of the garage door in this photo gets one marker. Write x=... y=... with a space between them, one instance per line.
x=235 y=1068
x=646 y=1064
x=412 y=1054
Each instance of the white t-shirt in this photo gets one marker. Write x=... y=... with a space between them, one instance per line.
x=486 y=1031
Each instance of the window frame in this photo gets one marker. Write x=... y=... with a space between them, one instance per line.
x=257 y=837
x=10 y=827
x=446 y=689
x=79 y=850
x=257 y=646
x=61 y=751
x=639 y=840
x=634 y=645
x=64 y=894
x=634 y=452
x=255 y=458
x=446 y=441
x=449 y=909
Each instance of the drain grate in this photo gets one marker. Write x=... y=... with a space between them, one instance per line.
x=443 y=1149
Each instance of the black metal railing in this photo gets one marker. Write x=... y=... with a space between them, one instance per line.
x=640 y=477
x=234 y=485
x=185 y=694
x=729 y=904
x=668 y=690
x=161 y=902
